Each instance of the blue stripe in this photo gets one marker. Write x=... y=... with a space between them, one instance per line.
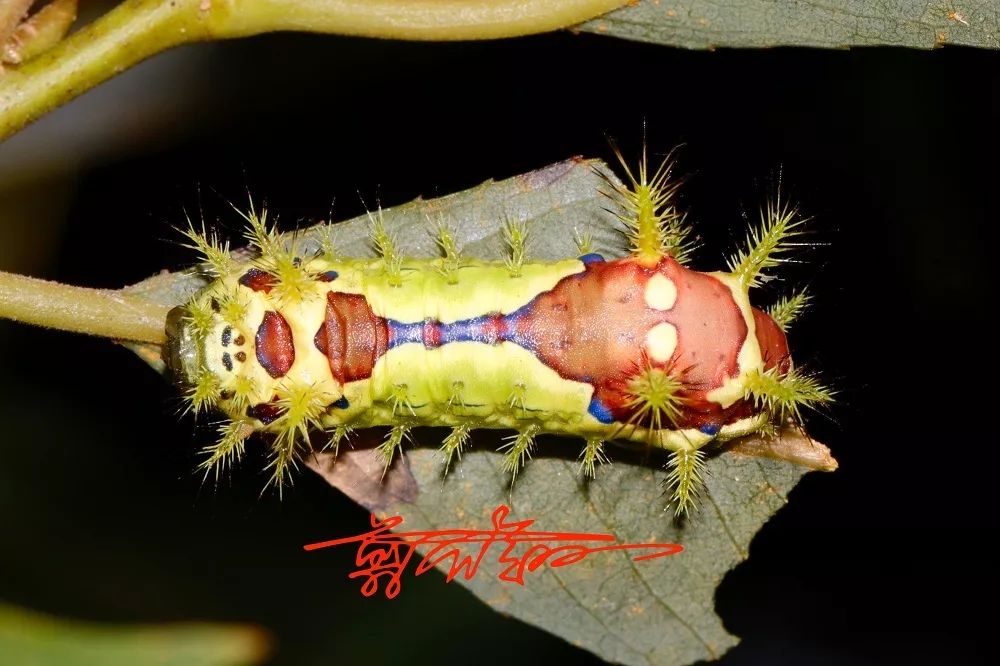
x=600 y=411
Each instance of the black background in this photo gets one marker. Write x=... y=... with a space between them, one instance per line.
x=892 y=152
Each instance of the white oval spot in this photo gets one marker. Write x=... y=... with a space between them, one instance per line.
x=661 y=341
x=661 y=293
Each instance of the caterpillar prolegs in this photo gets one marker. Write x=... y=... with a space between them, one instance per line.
x=308 y=348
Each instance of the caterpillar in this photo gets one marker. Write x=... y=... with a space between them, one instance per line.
x=641 y=349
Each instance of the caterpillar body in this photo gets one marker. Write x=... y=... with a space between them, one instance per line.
x=640 y=349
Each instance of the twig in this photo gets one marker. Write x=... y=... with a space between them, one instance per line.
x=103 y=312
x=135 y=30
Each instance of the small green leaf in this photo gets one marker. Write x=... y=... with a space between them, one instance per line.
x=708 y=24
x=27 y=637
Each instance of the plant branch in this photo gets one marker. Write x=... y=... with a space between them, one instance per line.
x=137 y=29
x=103 y=312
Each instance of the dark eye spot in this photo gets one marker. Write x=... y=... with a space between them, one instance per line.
x=227 y=335
x=215 y=305
x=227 y=361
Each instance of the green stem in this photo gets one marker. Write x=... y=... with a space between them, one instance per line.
x=137 y=29
x=104 y=312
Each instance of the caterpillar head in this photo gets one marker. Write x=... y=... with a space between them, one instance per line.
x=231 y=347
x=182 y=351
x=206 y=357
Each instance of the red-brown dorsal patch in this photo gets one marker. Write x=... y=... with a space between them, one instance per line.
x=258 y=280
x=275 y=347
x=320 y=339
x=772 y=341
x=710 y=328
x=353 y=338
x=592 y=327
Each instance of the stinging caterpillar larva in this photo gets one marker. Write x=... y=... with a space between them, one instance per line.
x=638 y=349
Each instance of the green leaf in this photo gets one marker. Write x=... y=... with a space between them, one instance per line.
x=658 y=611
x=27 y=637
x=650 y=612
x=708 y=24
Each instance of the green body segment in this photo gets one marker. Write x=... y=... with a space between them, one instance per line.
x=465 y=381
